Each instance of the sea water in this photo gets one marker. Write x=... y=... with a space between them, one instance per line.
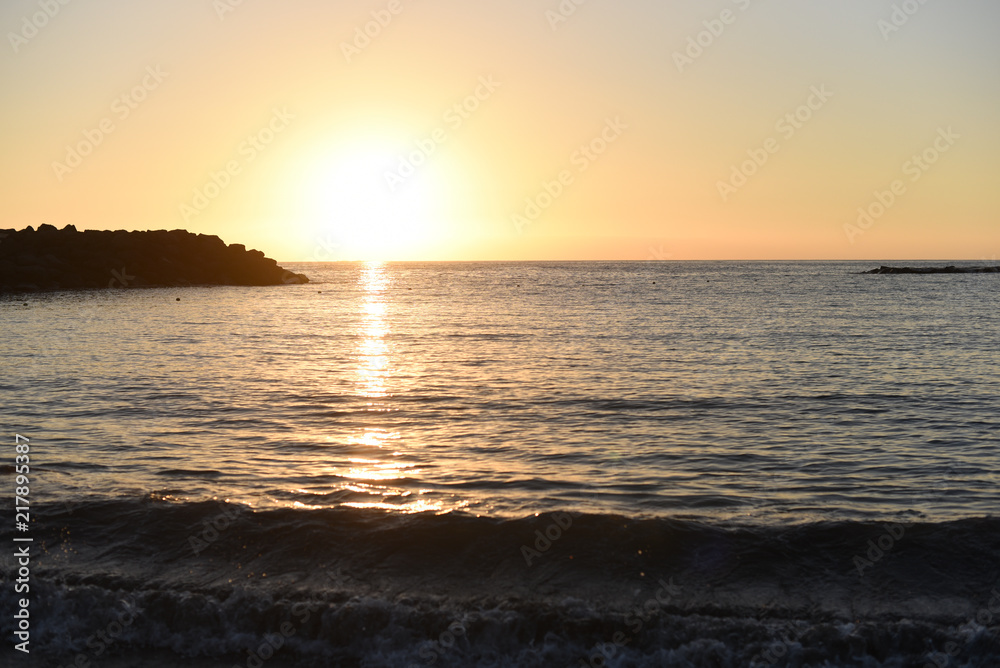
x=653 y=463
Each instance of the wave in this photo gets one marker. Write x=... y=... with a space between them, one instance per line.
x=369 y=588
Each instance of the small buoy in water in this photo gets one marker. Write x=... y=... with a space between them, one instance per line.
x=319 y=292
x=25 y=303
x=178 y=299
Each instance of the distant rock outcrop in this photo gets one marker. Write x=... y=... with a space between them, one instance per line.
x=934 y=270
x=50 y=259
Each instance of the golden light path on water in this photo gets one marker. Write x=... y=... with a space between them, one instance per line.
x=374 y=475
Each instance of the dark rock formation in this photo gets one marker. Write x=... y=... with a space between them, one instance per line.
x=934 y=270
x=51 y=259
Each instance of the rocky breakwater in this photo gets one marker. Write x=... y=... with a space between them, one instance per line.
x=935 y=270
x=50 y=259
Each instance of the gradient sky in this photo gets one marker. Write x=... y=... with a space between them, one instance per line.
x=126 y=114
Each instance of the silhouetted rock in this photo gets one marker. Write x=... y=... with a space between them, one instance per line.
x=52 y=259
x=934 y=270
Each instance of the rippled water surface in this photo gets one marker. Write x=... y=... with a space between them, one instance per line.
x=757 y=392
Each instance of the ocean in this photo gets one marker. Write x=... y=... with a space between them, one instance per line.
x=705 y=464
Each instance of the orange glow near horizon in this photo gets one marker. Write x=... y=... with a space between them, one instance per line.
x=602 y=136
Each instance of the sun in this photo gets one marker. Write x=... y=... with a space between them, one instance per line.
x=360 y=209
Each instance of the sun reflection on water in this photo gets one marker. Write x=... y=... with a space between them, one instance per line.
x=373 y=473
x=373 y=350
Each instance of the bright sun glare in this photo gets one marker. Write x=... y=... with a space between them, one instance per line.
x=357 y=214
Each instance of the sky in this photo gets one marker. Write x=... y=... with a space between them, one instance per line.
x=511 y=129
